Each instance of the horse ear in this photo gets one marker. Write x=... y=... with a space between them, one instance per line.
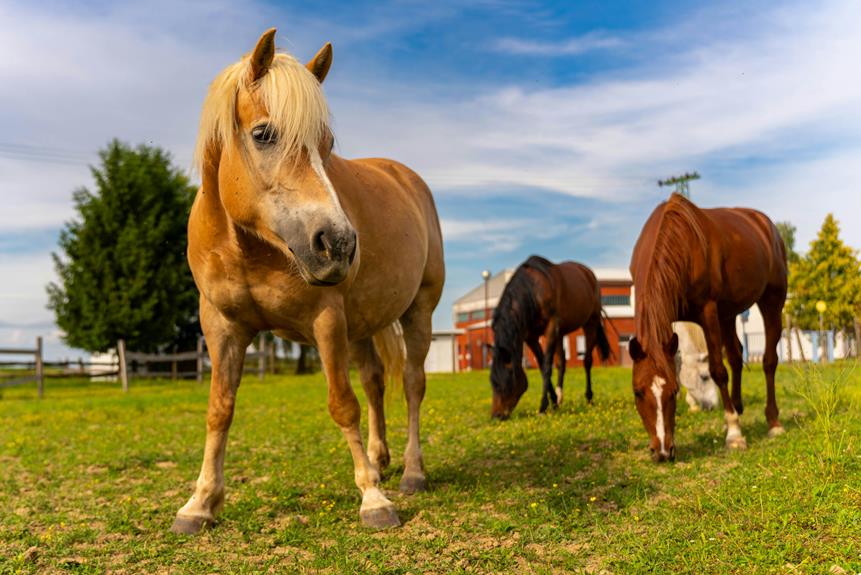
x=319 y=64
x=636 y=350
x=672 y=345
x=264 y=53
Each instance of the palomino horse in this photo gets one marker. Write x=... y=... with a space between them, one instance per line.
x=543 y=299
x=692 y=367
x=705 y=266
x=285 y=235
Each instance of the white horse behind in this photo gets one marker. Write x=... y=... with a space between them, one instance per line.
x=692 y=367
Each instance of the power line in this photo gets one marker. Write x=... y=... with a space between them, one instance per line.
x=44 y=154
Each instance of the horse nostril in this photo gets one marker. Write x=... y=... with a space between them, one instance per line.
x=353 y=249
x=320 y=244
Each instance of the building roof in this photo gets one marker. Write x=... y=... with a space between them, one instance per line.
x=495 y=285
x=612 y=275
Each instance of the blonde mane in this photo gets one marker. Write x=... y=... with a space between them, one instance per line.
x=667 y=275
x=291 y=94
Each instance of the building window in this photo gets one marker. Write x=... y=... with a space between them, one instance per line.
x=478 y=314
x=615 y=300
x=462 y=317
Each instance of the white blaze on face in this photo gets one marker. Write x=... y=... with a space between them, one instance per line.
x=317 y=165
x=658 y=384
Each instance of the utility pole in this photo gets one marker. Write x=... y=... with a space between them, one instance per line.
x=681 y=183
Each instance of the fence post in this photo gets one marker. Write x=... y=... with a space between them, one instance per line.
x=124 y=374
x=261 y=358
x=173 y=370
x=40 y=375
x=200 y=359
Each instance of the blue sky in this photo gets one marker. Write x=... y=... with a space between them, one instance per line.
x=542 y=127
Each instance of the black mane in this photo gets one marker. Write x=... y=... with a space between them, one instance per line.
x=510 y=322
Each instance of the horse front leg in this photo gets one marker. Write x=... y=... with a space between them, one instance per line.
x=548 y=394
x=560 y=370
x=330 y=332
x=710 y=323
x=226 y=342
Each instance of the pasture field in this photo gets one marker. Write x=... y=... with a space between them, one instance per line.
x=90 y=480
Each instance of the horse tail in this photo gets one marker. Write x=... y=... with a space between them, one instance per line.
x=603 y=342
x=389 y=344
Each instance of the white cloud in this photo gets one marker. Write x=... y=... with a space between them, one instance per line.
x=569 y=47
x=614 y=135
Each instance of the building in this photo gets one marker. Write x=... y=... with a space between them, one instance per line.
x=474 y=310
x=442 y=355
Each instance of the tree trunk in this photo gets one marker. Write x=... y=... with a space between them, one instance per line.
x=303 y=363
x=857 y=336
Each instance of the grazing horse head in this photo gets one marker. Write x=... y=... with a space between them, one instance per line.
x=508 y=380
x=263 y=144
x=514 y=313
x=655 y=390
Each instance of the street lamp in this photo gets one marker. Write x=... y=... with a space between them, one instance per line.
x=485 y=275
x=821 y=307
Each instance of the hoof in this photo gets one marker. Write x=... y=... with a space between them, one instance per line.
x=413 y=484
x=776 y=431
x=188 y=525
x=380 y=517
x=736 y=443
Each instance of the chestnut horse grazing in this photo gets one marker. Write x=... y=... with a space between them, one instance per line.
x=704 y=266
x=286 y=236
x=549 y=300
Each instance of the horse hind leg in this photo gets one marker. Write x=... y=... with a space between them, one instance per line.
x=771 y=307
x=591 y=334
x=364 y=356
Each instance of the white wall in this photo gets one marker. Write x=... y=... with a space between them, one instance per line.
x=440 y=358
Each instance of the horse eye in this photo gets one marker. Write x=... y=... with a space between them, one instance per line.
x=264 y=134
x=639 y=393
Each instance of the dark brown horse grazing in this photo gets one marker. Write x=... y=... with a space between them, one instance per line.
x=543 y=299
x=705 y=266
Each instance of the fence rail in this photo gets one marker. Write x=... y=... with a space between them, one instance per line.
x=38 y=377
x=125 y=366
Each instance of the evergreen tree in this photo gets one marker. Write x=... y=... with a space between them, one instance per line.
x=828 y=272
x=123 y=273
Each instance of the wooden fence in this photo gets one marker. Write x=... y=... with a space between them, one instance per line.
x=38 y=367
x=126 y=366
x=130 y=362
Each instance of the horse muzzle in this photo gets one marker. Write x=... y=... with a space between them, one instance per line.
x=659 y=457
x=329 y=254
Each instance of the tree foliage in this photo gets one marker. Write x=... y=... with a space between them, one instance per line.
x=787 y=234
x=123 y=272
x=828 y=272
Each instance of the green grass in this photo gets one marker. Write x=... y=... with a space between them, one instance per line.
x=90 y=480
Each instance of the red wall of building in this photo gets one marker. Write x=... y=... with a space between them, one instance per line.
x=470 y=344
